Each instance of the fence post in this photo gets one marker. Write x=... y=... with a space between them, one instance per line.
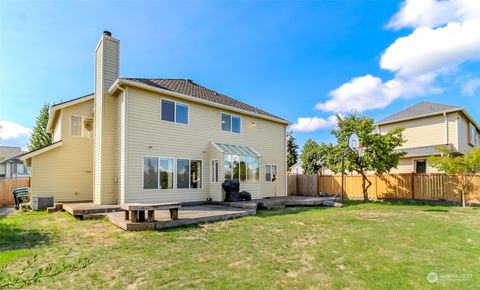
x=413 y=185
x=318 y=184
x=296 y=183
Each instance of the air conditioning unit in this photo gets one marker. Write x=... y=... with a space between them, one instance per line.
x=42 y=202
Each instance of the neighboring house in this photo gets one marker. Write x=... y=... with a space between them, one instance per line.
x=156 y=140
x=297 y=168
x=427 y=126
x=10 y=163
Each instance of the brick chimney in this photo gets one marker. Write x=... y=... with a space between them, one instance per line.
x=107 y=58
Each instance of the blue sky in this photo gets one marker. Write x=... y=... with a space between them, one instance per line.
x=287 y=57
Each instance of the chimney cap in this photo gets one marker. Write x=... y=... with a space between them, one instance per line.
x=107 y=33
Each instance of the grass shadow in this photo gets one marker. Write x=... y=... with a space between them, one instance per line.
x=400 y=202
x=13 y=238
x=289 y=210
x=437 y=210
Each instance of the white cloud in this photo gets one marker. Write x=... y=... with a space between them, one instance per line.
x=470 y=87
x=432 y=13
x=357 y=95
x=369 y=92
x=428 y=50
x=313 y=124
x=446 y=35
x=12 y=130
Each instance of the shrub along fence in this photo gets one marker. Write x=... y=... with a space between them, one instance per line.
x=6 y=186
x=425 y=186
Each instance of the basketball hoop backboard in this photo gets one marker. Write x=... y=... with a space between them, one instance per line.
x=353 y=141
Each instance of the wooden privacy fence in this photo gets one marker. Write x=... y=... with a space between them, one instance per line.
x=6 y=186
x=427 y=186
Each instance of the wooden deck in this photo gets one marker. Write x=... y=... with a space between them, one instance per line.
x=187 y=215
x=81 y=209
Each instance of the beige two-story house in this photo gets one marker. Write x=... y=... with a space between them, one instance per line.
x=427 y=126
x=156 y=140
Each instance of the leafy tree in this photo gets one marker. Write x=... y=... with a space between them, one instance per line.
x=40 y=138
x=292 y=150
x=311 y=154
x=465 y=166
x=380 y=155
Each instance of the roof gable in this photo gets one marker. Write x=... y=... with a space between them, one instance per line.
x=419 y=110
x=54 y=109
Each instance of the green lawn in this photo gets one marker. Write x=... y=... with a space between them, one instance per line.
x=376 y=246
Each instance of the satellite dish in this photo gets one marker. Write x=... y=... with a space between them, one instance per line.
x=353 y=141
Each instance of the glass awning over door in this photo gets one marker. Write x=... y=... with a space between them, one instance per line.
x=237 y=150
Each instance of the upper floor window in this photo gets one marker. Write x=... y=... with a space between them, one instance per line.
x=76 y=126
x=174 y=112
x=473 y=135
x=81 y=126
x=231 y=123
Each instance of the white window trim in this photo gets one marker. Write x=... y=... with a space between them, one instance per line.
x=175 y=112
x=81 y=126
x=190 y=173
x=414 y=163
x=158 y=189
x=239 y=177
x=472 y=137
x=212 y=171
x=173 y=168
x=276 y=166
x=143 y=174
x=231 y=123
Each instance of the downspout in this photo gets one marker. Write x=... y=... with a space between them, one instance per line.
x=446 y=128
x=125 y=151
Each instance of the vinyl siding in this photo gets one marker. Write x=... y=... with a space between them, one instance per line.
x=148 y=135
x=106 y=134
x=425 y=132
x=66 y=172
x=463 y=144
x=215 y=188
x=420 y=132
x=406 y=165
x=120 y=144
x=98 y=124
x=453 y=129
x=57 y=132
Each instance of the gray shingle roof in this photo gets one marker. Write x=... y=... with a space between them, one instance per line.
x=417 y=110
x=190 y=88
x=8 y=151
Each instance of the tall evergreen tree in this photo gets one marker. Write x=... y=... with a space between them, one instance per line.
x=40 y=138
x=311 y=153
x=292 y=150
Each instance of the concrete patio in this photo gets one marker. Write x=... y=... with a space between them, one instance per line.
x=187 y=215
